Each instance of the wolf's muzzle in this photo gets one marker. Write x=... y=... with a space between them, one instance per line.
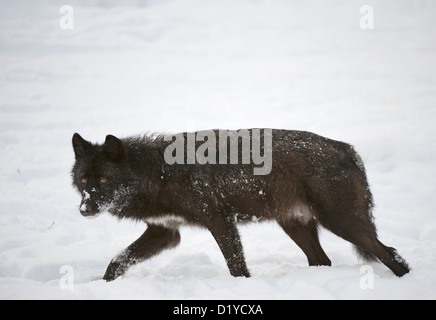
x=88 y=209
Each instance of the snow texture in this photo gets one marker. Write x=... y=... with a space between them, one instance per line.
x=170 y=66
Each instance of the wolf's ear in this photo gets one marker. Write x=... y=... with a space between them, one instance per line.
x=115 y=148
x=80 y=145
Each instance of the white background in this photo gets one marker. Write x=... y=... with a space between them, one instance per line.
x=169 y=66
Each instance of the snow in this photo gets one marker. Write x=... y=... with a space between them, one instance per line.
x=170 y=66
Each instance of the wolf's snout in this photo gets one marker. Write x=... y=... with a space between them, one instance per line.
x=87 y=209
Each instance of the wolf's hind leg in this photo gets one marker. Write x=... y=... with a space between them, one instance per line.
x=154 y=240
x=360 y=230
x=305 y=235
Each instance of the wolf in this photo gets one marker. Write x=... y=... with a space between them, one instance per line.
x=314 y=181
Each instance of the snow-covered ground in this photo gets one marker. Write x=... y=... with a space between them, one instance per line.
x=176 y=65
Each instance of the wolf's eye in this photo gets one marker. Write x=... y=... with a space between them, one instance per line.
x=84 y=181
x=103 y=180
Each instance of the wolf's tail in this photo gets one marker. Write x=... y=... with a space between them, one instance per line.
x=365 y=255
x=369 y=202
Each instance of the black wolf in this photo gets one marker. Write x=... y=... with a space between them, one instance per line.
x=313 y=181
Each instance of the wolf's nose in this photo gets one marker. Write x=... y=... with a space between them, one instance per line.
x=87 y=210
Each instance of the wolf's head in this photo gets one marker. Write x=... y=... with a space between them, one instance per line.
x=102 y=175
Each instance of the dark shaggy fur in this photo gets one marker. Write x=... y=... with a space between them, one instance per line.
x=314 y=181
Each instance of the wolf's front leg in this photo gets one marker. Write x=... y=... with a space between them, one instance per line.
x=154 y=240
x=226 y=234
